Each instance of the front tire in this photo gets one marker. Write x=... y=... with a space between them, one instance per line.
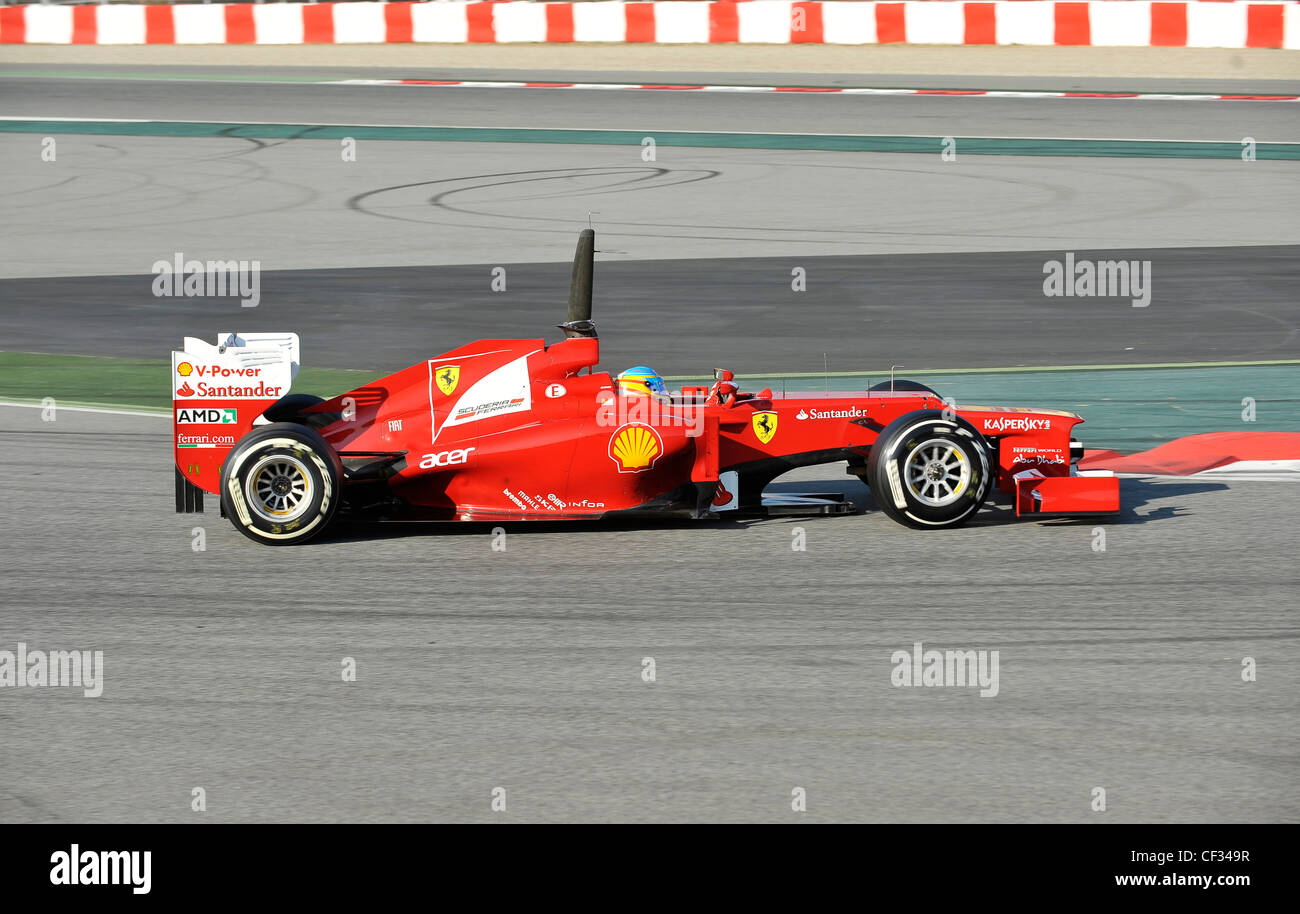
x=928 y=471
x=281 y=484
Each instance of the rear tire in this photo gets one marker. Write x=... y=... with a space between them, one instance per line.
x=903 y=385
x=929 y=472
x=294 y=408
x=281 y=484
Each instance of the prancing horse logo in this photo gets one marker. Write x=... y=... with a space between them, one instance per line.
x=764 y=425
x=448 y=376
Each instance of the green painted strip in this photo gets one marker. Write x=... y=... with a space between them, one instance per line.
x=927 y=145
x=1127 y=408
x=1024 y=369
x=120 y=383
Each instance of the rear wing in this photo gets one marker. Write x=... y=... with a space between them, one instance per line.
x=218 y=392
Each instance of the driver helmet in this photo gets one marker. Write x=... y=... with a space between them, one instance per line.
x=642 y=381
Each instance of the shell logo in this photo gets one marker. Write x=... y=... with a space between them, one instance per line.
x=635 y=448
x=184 y=369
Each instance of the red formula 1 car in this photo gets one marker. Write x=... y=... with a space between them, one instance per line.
x=513 y=430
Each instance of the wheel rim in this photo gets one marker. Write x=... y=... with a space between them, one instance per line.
x=938 y=472
x=279 y=488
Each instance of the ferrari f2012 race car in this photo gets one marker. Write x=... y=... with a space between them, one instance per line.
x=519 y=429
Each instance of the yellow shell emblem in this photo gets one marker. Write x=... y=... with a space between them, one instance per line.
x=447 y=376
x=764 y=425
x=635 y=448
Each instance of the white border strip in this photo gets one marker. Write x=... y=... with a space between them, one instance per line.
x=143 y=411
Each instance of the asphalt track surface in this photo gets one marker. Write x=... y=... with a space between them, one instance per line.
x=522 y=669
x=858 y=313
x=247 y=99
x=117 y=204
